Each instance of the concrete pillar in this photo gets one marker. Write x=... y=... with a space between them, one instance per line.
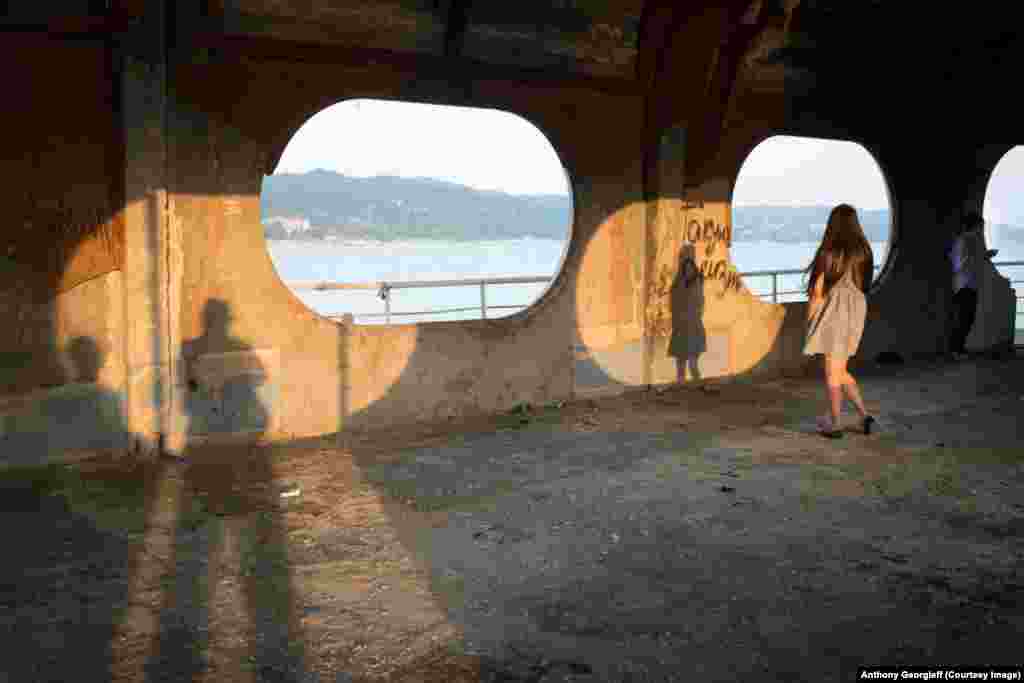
x=148 y=275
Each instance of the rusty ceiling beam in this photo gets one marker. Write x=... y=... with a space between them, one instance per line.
x=740 y=29
x=659 y=21
x=422 y=64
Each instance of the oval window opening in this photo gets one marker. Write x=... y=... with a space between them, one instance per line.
x=1003 y=212
x=394 y=212
x=783 y=195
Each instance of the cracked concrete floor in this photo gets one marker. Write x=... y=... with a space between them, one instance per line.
x=656 y=536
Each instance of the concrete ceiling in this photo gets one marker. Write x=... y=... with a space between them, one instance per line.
x=879 y=60
x=919 y=46
x=944 y=42
x=930 y=41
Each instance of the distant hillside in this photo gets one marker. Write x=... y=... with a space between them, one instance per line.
x=318 y=204
x=1013 y=233
x=387 y=208
x=799 y=223
x=807 y=224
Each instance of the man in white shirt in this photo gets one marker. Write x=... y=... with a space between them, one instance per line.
x=967 y=254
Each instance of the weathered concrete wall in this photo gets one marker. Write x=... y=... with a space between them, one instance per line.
x=910 y=308
x=997 y=300
x=327 y=375
x=703 y=322
x=170 y=289
x=61 y=342
x=706 y=325
x=83 y=408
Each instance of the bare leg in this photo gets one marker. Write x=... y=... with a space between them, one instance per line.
x=835 y=400
x=834 y=370
x=853 y=393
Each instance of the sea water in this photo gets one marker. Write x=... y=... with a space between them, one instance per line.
x=401 y=261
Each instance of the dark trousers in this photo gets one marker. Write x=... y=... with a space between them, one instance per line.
x=965 y=308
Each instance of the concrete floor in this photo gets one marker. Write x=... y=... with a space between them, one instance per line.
x=687 y=534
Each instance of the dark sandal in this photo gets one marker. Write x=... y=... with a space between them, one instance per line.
x=869 y=424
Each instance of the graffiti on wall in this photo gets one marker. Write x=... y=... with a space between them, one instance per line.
x=720 y=270
x=708 y=233
x=688 y=257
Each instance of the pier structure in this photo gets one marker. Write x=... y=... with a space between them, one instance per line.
x=135 y=279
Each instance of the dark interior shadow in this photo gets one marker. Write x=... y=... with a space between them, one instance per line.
x=63 y=597
x=686 y=301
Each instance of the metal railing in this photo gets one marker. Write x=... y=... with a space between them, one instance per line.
x=774 y=274
x=1018 y=312
x=384 y=290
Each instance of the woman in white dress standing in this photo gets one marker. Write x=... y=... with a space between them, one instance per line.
x=839 y=277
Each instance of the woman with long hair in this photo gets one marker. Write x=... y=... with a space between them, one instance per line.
x=839 y=278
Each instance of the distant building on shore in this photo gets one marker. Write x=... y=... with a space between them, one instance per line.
x=289 y=225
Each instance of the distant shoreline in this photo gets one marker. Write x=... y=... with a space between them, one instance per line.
x=346 y=239
x=409 y=238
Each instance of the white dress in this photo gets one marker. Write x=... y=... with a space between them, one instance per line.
x=837 y=327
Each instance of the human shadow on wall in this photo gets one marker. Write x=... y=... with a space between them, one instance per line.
x=77 y=416
x=228 y=520
x=217 y=401
x=686 y=300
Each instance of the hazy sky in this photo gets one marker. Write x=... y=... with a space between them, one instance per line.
x=1004 y=202
x=496 y=150
x=483 y=148
x=800 y=171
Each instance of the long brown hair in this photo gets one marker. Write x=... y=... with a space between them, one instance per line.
x=843 y=249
